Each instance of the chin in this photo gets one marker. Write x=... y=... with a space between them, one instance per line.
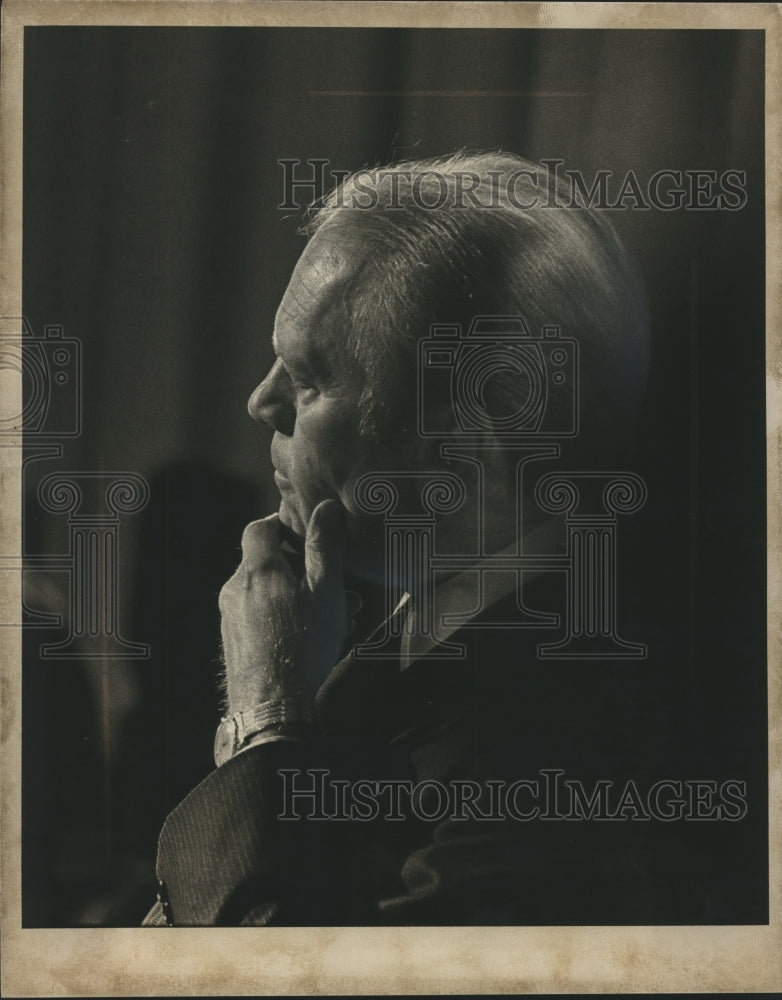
x=291 y=519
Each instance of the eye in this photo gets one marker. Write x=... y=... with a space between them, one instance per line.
x=301 y=383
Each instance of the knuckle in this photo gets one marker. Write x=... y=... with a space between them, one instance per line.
x=257 y=532
x=256 y=565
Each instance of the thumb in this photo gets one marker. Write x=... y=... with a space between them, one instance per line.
x=324 y=546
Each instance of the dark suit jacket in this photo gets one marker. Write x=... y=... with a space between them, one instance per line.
x=225 y=856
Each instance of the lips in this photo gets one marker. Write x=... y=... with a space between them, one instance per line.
x=283 y=483
x=278 y=462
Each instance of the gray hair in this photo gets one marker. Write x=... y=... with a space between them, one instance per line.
x=429 y=250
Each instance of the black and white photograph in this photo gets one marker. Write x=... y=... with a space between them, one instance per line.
x=389 y=552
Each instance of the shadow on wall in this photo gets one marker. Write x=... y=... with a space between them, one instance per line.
x=110 y=747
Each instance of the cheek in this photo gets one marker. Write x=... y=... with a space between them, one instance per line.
x=328 y=456
x=323 y=455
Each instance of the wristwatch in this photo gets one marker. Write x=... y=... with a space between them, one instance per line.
x=273 y=717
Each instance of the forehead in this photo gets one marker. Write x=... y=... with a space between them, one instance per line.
x=314 y=309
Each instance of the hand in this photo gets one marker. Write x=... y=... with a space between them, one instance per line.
x=281 y=635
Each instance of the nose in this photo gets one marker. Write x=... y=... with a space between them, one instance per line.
x=272 y=401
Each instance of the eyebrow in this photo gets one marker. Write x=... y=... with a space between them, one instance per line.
x=316 y=366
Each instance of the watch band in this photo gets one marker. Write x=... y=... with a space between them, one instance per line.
x=272 y=717
x=269 y=714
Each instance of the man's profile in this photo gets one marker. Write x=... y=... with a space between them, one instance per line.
x=325 y=806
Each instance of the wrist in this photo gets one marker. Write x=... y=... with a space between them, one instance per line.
x=244 y=693
x=280 y=718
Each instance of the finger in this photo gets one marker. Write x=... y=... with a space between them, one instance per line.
x=261 y=542
x=353 y=602
x=288 y=536
x=258 y=532
x=324 y=546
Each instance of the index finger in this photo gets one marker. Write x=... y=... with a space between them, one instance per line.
x=261 y=541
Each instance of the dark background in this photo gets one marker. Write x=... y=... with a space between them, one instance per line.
x=152 y=234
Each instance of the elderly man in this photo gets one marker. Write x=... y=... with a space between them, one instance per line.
x=336 y=749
